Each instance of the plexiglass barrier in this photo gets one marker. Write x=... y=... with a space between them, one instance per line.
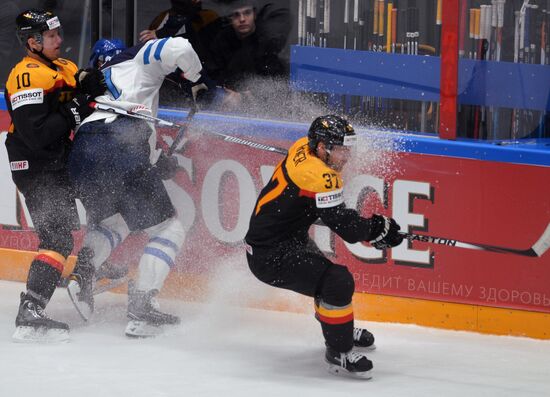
x=377 y=61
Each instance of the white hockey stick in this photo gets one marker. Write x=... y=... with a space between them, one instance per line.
x=539 y=248
x=183 y=127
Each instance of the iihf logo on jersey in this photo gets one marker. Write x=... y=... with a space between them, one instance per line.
x=19 y=165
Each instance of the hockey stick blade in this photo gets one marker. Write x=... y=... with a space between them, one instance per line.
x=104 y=286
x=109 y=284
x=543 y=243
x=537 y=250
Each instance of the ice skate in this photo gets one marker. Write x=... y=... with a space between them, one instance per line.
x=81 y=284
x=145 y=320
x=33 y=325
x=363 y=339
x=353 y=364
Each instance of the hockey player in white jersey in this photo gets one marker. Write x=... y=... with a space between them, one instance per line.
x=118 y=174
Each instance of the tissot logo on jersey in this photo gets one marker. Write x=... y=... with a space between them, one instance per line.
x=27 y=97
x=329 y=199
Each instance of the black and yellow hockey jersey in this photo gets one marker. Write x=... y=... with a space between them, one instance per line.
x=302 y=189
x=39 y=134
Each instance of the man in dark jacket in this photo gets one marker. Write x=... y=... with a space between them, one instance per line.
x=249 y=46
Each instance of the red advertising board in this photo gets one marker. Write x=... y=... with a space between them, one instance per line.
x=484 y=202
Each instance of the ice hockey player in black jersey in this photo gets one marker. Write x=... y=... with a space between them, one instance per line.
x=306 y=186
x=47 y=99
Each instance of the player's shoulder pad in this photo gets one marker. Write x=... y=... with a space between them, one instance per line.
x=164 y=50
x=69 y=67
x=31 y=74
x=30 y=81
x=313 y=177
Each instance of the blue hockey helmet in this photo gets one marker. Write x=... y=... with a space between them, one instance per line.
x=104 y=50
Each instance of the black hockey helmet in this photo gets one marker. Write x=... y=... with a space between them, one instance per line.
x=33 y=22
x=331 y=130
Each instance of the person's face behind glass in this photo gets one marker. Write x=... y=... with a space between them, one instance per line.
x=243 y=21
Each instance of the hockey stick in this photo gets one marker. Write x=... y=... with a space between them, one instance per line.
x=536 y=250
x=182 y=130
x=166 y=123
x=104 y=286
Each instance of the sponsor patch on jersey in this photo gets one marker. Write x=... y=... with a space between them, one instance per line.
x=19 y=165
x=329 y=199
x=27 y=97
x=32 y=65
x=62 y=61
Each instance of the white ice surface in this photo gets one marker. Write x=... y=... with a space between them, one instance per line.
x=231 y=351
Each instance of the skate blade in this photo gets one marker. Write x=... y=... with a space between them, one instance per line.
x=40 y=335
x=339 y=371
x=365 y=348
x=140 y=329
x=85 y=311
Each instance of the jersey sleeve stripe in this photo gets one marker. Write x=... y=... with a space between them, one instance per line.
x=110 y=86
x=306 y=193
x=158 y=50
x=146 y=54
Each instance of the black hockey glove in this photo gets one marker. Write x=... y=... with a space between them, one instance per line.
x=77 y=109
x=385 y=232
x=166 y=167
x=90 y=81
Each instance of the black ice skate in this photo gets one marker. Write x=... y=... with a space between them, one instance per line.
x=363 y=338
x=33 y=325
x=145 y=320
x=81 y=284
x=352 y=363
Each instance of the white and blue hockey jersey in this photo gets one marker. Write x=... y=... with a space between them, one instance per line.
x=135 y=76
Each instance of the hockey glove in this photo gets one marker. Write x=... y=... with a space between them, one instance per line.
x=77 y=109
x=202 y=91
x=91 y=82
x=166 y=167
x=385 y=232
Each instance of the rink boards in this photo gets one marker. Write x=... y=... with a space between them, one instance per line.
x=479 y=193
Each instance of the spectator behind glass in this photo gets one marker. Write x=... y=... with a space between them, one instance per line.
x=249 y=47
x=186 y=19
